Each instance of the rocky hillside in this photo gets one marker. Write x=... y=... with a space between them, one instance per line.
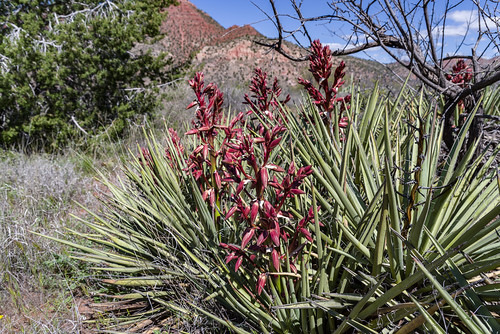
x=229 y=56
x=236 y=59
x=189 y=29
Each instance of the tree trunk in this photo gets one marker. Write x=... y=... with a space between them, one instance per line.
x=449 y=129
x=476 y=128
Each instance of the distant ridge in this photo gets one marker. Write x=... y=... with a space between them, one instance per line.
x=229 y=56
x=189 y=29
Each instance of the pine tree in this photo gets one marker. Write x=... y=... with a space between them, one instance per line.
x=71 y=69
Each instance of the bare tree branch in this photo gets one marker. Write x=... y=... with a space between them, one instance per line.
x=409 y=33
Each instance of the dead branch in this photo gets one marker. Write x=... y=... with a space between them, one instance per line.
x=409 y=34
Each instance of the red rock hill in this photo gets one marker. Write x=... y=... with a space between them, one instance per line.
x=229 y=56
x=189 y=29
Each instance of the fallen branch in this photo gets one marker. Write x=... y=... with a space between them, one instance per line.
x=78 y=126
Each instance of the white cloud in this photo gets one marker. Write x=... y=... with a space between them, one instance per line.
x=462 y=16
x=466 y=21
x=460 y=30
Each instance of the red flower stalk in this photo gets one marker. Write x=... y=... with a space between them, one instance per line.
x=240 y=171
x=207 y=124
x=325 y=94
x=461 y=75
x=265 y=101
x=145 y=159
x=178 y=148
x=209 y=108
x=147 y=162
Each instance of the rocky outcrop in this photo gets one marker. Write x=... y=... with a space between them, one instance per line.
x=189 y=29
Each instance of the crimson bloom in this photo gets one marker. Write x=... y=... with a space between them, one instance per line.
x=324 y=94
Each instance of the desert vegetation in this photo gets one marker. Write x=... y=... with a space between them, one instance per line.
x=251 y=210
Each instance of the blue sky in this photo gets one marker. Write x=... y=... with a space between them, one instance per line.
x=240 y=12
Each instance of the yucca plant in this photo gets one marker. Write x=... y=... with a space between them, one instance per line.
x=342 y=216
x=413 y=227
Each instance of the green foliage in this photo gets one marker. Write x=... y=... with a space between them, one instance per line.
x=407 y=241
x=69 y=68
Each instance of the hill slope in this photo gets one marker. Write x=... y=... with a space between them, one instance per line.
x=229 y=56
x=189 y=29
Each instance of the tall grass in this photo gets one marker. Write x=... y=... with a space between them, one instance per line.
x=38 y=278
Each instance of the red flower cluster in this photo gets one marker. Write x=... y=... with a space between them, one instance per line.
x=461 y=75
x=325 y=95
x=238 y=169
x=265 y=103
x=209 y=102
x=236 y=175
x=259 y=209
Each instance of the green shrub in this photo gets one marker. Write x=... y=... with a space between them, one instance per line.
x=332 y=218
x=72 y=69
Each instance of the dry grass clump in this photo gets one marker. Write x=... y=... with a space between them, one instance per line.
x=37 y=278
